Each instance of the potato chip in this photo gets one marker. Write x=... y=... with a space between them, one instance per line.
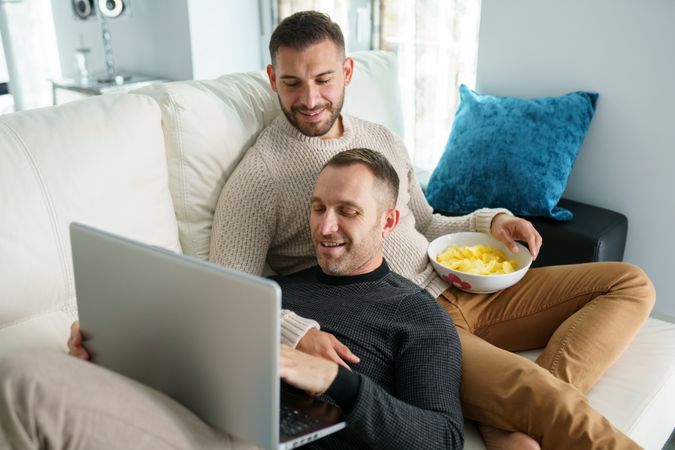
x=478 y=259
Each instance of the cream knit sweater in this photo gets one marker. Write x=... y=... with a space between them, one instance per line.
x=263 y=211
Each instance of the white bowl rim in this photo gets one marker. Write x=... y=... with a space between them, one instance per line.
x=493 y=276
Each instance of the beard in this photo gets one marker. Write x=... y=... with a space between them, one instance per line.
x=314 y=129
x=355 y=257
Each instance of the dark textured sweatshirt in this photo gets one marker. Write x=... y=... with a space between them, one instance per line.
x=404 y=394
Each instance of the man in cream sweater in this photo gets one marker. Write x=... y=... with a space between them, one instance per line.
x=584 y=315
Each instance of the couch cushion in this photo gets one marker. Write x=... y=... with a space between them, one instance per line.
x=208 y=125
x=637 y=394
x=508 y=152
x=48 y=331
x=100 y=161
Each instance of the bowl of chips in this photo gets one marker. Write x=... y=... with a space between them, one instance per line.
x=477 y=262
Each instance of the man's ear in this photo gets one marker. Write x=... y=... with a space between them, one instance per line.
x=391 y=218
x=348 y=68
x=272 y=76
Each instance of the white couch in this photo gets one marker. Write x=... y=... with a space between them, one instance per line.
x=150 y=165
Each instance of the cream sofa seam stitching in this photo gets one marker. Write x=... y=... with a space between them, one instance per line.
x=51 y=211
x=181 y=161
x=22 y=319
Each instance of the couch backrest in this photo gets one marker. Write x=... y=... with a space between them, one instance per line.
x=208 y=125
x=100 y=161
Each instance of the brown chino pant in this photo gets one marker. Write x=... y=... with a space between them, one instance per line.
x=583 y=315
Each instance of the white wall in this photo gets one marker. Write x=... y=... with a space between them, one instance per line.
x=625 y=50
x=225 y=37
x=153 y=40
x=171 y=39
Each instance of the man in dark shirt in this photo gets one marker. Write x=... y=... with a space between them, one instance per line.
x=404 y=392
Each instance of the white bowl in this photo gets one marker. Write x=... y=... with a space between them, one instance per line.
x=478 y=284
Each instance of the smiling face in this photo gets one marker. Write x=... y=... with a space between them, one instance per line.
x=310 y=84
x=348 y=220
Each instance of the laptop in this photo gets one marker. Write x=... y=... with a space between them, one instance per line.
x=204 y=335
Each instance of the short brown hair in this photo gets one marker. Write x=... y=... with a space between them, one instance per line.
x=378 y=165
x=302 y=29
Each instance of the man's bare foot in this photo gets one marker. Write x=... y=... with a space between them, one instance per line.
x=496 y=439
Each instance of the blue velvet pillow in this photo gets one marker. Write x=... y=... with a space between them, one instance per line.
x=510 y=152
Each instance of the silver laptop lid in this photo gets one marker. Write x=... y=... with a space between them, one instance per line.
x=194 y=353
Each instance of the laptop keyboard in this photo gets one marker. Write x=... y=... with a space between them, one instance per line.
x=295 y=422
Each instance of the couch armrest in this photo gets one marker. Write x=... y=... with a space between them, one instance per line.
x=594 y=234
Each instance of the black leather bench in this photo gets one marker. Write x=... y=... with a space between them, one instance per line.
x=594 y=234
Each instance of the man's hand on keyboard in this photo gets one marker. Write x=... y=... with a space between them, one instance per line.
x=309 y=373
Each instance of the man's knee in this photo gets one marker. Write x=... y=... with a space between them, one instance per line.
x=20 y=366
x=23 y=371
x=641 y=286
x=23 y=379
x=24 y=368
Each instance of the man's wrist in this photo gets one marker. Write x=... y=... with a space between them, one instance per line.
x=303 y=346
x=483 y=218
x=294 y=328
x=496 y=213
x=492 y=222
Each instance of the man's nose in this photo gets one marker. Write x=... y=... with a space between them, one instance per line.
x=310 y=96
x=329 y=223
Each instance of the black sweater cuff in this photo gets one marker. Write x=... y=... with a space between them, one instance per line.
x=345 y=389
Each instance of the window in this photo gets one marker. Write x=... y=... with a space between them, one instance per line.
x=436 y=43
x=6 y=99
x=32 y=57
